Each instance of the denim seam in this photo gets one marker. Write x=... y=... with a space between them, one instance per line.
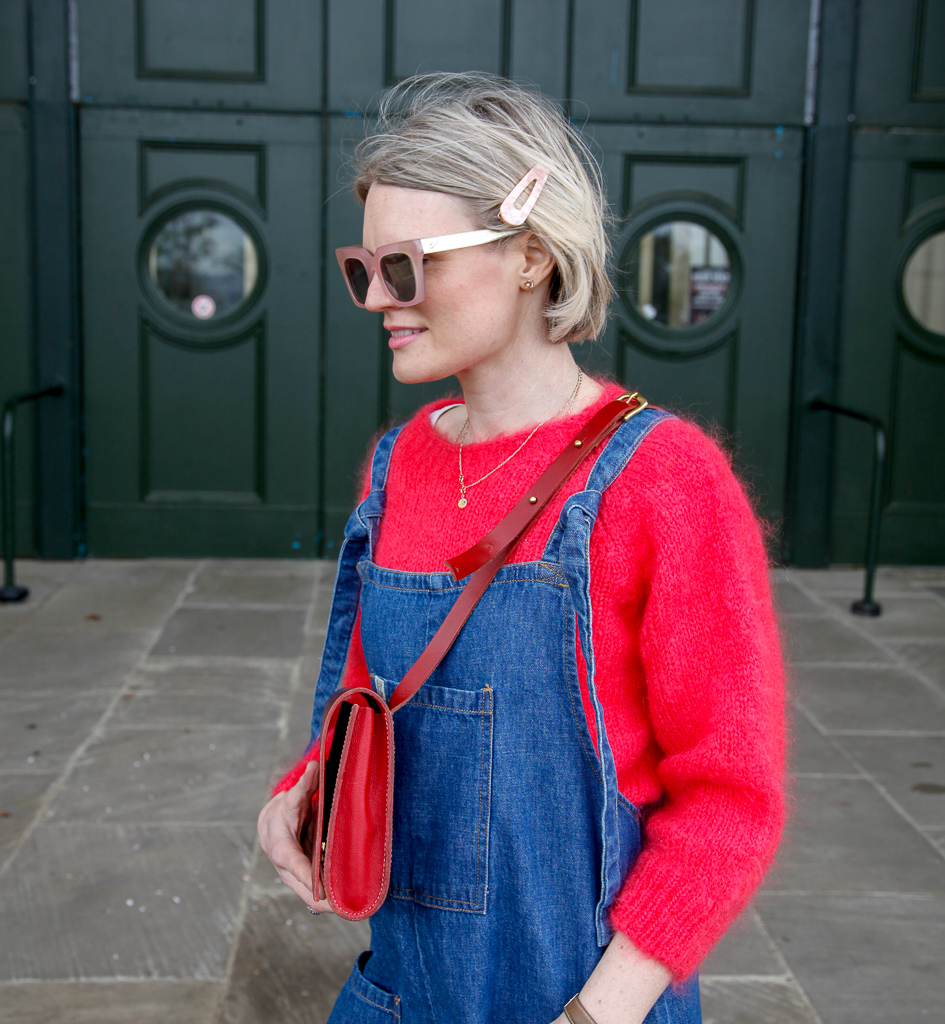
x=577 y=722
x=412 y=897
x=482 y=764
x=449 y=590
x=430 y=896
x=444 y=707
x=394 y=1013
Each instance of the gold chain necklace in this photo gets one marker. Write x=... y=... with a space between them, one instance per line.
x=464 y=487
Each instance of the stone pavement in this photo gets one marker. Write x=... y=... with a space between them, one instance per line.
x=146 y=705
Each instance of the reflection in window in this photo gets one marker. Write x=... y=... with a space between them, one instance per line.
x=203 y=263
x=678 y=274
x=923 y=284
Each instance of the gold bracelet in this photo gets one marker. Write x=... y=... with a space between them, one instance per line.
x=576 y=1013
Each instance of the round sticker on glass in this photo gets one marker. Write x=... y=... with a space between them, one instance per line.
x=203 y=307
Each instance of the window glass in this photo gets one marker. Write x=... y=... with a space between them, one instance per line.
x=678 y=274
x=923 y=283
x=203 y=264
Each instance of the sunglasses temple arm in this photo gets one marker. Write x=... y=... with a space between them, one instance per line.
x=463 y=240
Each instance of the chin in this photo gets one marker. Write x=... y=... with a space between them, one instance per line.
x=406 y=371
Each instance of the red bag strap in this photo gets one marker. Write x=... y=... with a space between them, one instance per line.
x=485 y=558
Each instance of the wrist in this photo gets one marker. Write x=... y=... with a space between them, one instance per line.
x=576 y=1013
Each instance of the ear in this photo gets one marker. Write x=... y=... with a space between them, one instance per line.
x=537 y=263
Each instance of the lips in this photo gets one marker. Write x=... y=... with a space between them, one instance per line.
x=400 y=336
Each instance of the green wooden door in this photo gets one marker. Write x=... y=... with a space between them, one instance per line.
x=893 y=339
x=732 y=63
x=201 y=304
x=201 y=275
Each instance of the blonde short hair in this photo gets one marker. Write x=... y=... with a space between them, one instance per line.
x=475 y=136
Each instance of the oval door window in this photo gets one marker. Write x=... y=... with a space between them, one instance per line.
x=203 y=264
x=923 y=283
x=677 y=274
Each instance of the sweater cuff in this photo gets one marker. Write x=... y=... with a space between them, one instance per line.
x=670 y=918
x=296 y=772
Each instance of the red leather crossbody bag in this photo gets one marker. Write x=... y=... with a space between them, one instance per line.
x=352 y=811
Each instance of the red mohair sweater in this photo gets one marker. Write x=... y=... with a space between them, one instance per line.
x=688 y=659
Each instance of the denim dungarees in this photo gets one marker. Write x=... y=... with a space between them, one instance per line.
x=510 y=839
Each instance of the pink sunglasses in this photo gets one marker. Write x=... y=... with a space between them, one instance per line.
x=400 y=264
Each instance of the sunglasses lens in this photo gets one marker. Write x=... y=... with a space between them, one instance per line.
x=397 y=270
x=356 y=273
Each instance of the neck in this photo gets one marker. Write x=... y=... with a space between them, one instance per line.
x=532 y=384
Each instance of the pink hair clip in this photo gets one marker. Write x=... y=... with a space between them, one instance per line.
x=516 y=215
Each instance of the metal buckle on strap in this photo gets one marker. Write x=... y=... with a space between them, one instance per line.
x=636 y=401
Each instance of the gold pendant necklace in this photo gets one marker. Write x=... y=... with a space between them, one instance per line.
x=464 y=487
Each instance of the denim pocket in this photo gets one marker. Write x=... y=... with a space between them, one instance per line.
x=362 y=1001
x=442 y=791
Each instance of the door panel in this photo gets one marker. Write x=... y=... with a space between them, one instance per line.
x=15 y=349
x=13 y=73
x=527 y=39
x=891 y=366
x=901 y=63
x=235 y=53
x=734 y=368
x=202 y=412
x=729 y=62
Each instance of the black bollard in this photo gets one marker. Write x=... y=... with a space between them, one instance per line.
x=11 y=593
x=866 y=605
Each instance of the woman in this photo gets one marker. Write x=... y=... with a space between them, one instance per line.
x=588 y=788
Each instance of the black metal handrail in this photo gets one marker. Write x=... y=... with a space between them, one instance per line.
x=866 y=605
x=10 y=592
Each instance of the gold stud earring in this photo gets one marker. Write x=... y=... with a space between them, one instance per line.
x=528 y=285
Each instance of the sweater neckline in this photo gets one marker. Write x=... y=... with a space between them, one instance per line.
x=549 y=431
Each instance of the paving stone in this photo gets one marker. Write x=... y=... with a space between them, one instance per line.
x=808 y=751
x=827 y=640
x=938 y=837
x=903 y=618
x=287 y=583
x=20 y=797
x=131 y=594
x=912 y=768
x=864 y=959
x=185 y=695
x=744 y=949
x=844 y=837
x=115 y=1002
x=868 y=697
x=69 y=660
x=789 y=599
x=171 y=775
x=41 y=733
x=927 y=658
x=72 y=902
x=237 y=633
x=290 y=966
x=728 y=1001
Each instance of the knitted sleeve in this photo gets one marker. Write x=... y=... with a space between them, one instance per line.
x=713 y=679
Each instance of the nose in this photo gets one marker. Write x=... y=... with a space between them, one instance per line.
x=377 y=298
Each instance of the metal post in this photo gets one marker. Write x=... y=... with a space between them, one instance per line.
x=866 y=605
x=10 y=592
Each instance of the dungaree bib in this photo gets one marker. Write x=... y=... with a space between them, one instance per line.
x=510 y=837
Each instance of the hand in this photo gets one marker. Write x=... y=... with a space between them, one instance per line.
x=281 y=825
